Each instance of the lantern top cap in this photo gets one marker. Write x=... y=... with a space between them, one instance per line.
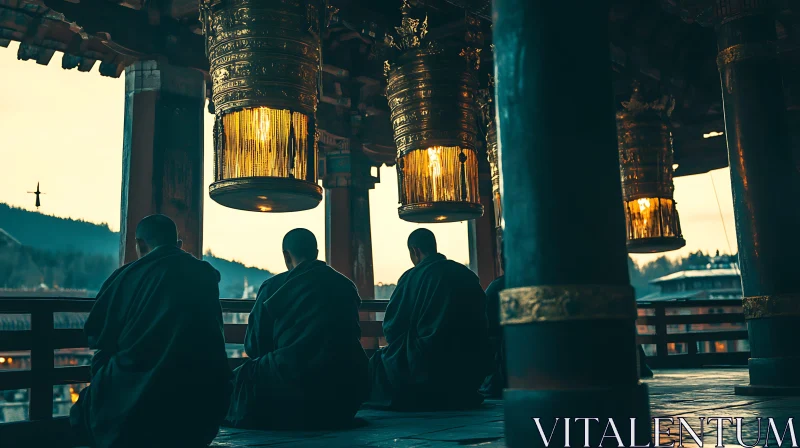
x=637 y=104
x=411 y=31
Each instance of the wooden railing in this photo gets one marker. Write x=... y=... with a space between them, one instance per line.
x=43 y=339
x=662 y=316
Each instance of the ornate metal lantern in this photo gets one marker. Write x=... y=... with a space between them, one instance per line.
x=265 y=62
x=431 y=95
x=645 y=157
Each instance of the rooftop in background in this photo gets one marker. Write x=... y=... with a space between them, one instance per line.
x=719 y=279
x=7 y=240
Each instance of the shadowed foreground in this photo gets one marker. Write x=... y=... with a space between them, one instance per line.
x=673 y=393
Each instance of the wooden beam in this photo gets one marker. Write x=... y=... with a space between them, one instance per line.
x=163 y=152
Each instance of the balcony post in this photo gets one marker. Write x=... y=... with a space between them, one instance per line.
x=483 y=253
x=569 y=314
x=763 y=178
x=162 y=163
x=348 y=236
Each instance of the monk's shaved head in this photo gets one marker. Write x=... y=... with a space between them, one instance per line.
x=301 y=244
x=423 y=240
x=157 y=230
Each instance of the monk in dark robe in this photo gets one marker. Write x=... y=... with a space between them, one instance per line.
x=436 y=329
x=160 y=376
x=494 y=384
x=306 y=368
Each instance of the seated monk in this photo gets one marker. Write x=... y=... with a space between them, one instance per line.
x=436 y=329
x=305 y=368
x=160 y=376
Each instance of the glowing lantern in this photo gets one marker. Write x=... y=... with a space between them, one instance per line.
x=265 y=62
x=431 y=95
x=645 y=157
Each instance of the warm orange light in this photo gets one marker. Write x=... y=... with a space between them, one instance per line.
x=264 y=208
x=73 y=395
x=263 y=198
x=441 y=218
x=720 y=347
x=651 y=218
x=435 y=174
x=9 y=360
x=263 y=142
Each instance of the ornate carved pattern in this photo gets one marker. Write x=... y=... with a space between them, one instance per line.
x=472 y=56
x=410 y=33
x=645 y=147
x=746 y=52
x=553 y=303
x=486 y=104
x=780 y=305
x=263 y=54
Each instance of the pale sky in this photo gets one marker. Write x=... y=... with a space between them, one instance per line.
x=63 y=128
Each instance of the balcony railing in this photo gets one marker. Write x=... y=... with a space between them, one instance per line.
x=43 y=339
x=670 y=325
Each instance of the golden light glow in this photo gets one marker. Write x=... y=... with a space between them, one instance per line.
x=264 y=208
x=263 y=198
x=435 y=174
x=713 y=134
x=73 y=395
x=441 y=218
x=651 y=218
x=263 y=142
x=2 y=360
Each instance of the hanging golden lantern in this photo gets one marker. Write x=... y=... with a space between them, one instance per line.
x=431 y=95
x=265 y=70
x=646 y=157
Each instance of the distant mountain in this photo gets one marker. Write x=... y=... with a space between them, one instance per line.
x=52 y=245
x=233 y=274
x=52 y=233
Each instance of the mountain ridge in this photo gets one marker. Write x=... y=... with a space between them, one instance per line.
x=46 y=237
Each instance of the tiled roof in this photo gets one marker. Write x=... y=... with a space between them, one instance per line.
x=700 y=295
x=698 y=273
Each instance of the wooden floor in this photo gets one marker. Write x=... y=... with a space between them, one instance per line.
x=673 y=393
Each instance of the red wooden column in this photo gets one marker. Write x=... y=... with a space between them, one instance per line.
x=348 y=235
x=162 y=163
x=482 y=232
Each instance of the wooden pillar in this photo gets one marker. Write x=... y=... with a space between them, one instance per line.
x=763 y=176
x=162 y=163
x=482 y=232
x=569 y=313
x=348 y=237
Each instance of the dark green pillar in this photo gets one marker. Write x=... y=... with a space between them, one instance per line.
x=764 y=184
x=569 y=313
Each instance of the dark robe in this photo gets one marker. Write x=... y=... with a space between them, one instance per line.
x=438 y=348
x=306 y=367
x=160 y=376
x=494 y=384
